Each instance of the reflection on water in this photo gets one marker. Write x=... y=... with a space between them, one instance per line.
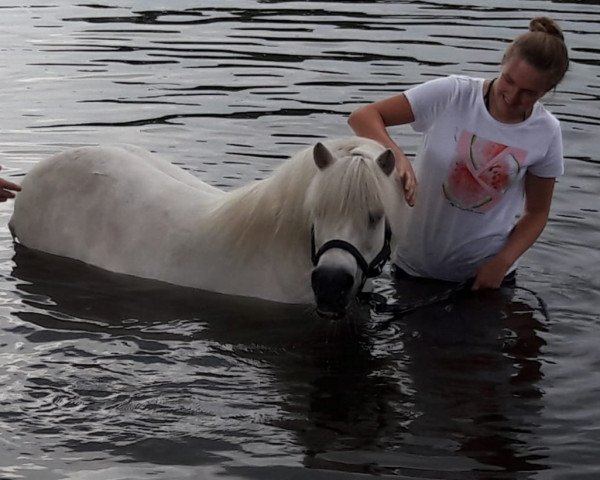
x=107 y=376
x=142 y=369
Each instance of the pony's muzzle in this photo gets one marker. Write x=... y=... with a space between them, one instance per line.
x=333 y=288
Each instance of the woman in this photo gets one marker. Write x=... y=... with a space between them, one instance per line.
x=487 y=164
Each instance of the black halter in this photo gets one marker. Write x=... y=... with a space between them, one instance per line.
x=369 y=270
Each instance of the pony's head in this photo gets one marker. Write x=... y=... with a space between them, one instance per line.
x=350 y=201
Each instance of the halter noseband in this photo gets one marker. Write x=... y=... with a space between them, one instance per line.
x=369 y=270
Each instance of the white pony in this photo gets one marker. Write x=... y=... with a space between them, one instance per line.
x=310 y=233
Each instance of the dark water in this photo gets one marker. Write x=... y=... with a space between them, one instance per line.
x=109 y=377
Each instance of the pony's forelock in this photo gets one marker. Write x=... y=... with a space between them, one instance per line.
x=352 y=188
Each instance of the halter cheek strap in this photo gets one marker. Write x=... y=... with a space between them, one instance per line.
x=369 y=270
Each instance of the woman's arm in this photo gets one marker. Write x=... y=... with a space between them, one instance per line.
x=371 y=121
x=538 y=197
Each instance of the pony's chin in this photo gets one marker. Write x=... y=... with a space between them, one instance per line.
x=329 y=313
x=333 y=290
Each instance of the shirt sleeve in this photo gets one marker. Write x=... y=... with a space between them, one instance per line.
x=429 y=99
x=551 y=164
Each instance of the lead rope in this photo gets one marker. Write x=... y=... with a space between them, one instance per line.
x=379 y=304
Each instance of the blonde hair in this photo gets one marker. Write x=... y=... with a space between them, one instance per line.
x=543 y=47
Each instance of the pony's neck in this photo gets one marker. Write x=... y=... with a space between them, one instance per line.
x=269 y=213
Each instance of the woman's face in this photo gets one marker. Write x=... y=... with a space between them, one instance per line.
x=517 y=89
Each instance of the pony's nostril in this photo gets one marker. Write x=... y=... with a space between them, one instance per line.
x=332 y=285
x=346 y=281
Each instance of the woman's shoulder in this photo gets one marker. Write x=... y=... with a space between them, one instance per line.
x=460 y=86
x=458 y=81
x=541 y=115
x=468 y=84
x=450 y=94
x=446 y=87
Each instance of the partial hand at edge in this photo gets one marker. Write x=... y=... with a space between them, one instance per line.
x=7 y=188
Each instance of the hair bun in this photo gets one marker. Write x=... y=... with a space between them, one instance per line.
x=546 y=25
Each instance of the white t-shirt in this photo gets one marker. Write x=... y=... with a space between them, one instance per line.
x=471 y=173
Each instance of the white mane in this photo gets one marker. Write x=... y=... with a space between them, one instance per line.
x=258 y=214
x=278 y=209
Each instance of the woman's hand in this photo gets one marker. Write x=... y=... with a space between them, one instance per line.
x=7 y=188
x=405 y=177
x=491 y=274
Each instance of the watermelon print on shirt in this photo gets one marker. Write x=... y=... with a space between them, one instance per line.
x=482 y=172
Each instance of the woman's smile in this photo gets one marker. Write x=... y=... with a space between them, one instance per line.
x=514 y=94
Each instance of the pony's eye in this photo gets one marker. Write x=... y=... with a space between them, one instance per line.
x=374 y=219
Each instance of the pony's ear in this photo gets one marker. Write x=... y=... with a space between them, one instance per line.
x=323 y=157
x=387 y=161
